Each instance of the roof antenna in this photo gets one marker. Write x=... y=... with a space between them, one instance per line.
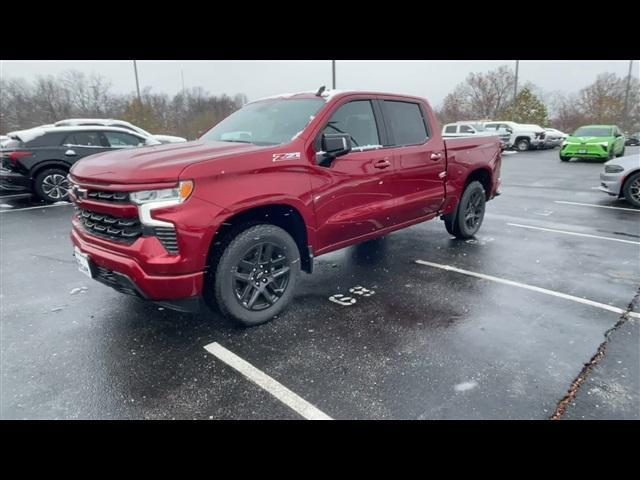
x=320 y=91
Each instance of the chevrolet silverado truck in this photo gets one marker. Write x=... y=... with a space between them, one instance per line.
x=234 y=217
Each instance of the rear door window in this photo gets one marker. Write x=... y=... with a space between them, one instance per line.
x=122 y=140
x=406 y=121
x=450 y=129
x=84 y=139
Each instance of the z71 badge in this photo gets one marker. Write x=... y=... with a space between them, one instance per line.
x=281 y=157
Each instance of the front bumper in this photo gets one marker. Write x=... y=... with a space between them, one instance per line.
x=13 y=182
x=611 y=183
x=585 y=151
x=125 y=274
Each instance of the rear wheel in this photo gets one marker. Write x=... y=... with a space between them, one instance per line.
x=631 y=190
x=469 y=214
x=51 y=185
x=256 y=275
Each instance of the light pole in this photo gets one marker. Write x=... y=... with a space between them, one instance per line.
x=333 y=74
x=515 y=88
x=626 y=98
x=135 y=69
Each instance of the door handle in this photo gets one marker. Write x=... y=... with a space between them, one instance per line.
x=384 y=163
x=436 y=156
x=70 y=153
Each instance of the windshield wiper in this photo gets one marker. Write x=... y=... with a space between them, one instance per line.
x=236 y=141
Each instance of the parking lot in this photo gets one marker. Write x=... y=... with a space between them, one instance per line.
x=550 y=284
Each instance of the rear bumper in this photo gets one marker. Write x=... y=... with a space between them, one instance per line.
x=126 y=275
x=14 y=182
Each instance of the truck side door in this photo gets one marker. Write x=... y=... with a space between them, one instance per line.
x=351 y=194
x=419 y=161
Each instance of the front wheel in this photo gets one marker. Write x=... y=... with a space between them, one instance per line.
x=621 y=154
x=631 y=190
x=469 y=214
x=564 y=159
x=523 y=145
x=51 y=185
x=256 y=275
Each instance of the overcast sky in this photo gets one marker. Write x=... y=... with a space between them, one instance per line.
x=430 y=79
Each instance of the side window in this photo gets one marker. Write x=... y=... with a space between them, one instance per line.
x=491 y=126
x=356 y=119
x=122 y=140
x=450 y=129
x=85 y=139
x=406 y=121
x=466 y=129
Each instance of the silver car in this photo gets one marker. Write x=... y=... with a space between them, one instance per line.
x=621 y=178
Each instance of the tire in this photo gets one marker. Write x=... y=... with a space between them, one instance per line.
x=51 y=185
x=564 y=159
x=631 y=190
x=611 y=155
x=251 y=258
x=458 y=224
x=622 y=152
x=523 y=145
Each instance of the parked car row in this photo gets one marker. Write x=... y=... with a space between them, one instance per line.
x=521 y=137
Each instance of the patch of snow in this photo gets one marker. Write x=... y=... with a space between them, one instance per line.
x=28 y=135
x=362 y=148
x=5 y=205
x=464 y=386
x=75 y=291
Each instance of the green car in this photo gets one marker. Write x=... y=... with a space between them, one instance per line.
x=593 y=141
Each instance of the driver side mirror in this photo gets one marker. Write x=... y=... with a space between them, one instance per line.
x=333 y=145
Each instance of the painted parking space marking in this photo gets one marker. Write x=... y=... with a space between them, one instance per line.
x=34 y=208
x=264 y=381
x=598 y=206
x=533 y=288
x=574 y=233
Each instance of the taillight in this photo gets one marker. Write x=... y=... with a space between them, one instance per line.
x=14 y=156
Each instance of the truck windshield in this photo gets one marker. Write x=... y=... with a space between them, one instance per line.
x=269 y=122
x=593 y=132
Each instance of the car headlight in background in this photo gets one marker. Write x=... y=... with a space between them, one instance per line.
x=604 y=144
x=148 y=200
x=613 y=169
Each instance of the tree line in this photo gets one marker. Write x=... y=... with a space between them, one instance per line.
x=189 y=113
x=73 y=94
x=490 y=96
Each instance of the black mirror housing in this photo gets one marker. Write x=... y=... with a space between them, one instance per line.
x=333 y=145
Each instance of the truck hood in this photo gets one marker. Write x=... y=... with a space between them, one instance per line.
x=156 y=164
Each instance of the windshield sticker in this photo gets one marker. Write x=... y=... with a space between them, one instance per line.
x=281 y=157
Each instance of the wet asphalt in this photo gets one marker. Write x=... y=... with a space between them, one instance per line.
x=428 y=344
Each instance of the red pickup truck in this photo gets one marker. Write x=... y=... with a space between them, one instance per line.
x=234 y=217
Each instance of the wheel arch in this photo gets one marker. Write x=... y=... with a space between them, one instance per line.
x=483 y=175
x=625 y=180
x=282 y=214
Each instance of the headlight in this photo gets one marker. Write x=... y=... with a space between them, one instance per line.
x=175 y=195
x=604 y=144
x=148 y=200
x=613 y=169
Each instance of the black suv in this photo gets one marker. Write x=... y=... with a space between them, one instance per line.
x=38 y=160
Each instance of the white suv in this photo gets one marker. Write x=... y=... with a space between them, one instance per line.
x=467 y=129
x=523 y=136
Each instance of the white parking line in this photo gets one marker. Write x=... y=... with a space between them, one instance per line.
x=598 y=206
x=282 y=393
x=584 y=301
x=574 y=233
x=34 y=208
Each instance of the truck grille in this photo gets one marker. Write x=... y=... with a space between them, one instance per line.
x=108 y=196
x=119 y=229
